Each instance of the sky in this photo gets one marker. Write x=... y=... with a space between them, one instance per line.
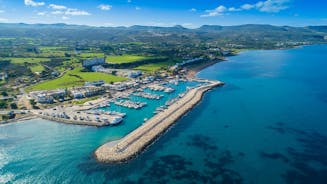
x=188 y=13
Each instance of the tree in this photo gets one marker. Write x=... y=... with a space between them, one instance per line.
x=32 y=102
x=3 y=104
x=13 y=106
x=3 y=93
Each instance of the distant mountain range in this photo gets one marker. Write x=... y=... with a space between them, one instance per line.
x=250 y=35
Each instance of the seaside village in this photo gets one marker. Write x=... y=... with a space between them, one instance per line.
x=56 y=105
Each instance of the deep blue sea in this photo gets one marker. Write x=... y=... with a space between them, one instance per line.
x=267 y=125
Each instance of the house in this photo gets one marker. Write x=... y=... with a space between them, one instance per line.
x=97 y=68
x=95 y=83
x=134 y=74
x=92 y=62
x=3 y=76
x=86 y=91
x=117 y=86
x=173 y=68
x=48 y=96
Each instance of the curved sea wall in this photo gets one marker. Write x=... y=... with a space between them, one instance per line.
x=137 y=140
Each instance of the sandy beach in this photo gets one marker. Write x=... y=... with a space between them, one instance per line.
x=192 y=70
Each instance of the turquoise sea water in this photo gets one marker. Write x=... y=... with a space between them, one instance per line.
x=268 y=124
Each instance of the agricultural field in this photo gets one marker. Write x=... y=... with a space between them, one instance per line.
x=153 y=67
x=53 y=51
x=37 y=68
x=126 y=59
x=2 y=82
x=23 y=60
x=86 y=55
x=75 y=78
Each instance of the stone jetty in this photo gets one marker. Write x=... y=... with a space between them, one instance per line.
x=137 y=140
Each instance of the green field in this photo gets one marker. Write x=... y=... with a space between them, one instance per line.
x=75 y=78
x=23 y=60
x=49 y=51
x=52 y=48
x=155 y=66
x=2 y=82
x=37 y=68
x=126 y=59
x=91 y=55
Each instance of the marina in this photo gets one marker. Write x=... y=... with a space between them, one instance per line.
x=73 y=116
x=158 y=87
x=148 y=95
x=137 y=140
x=130 y=104
x=106 y=111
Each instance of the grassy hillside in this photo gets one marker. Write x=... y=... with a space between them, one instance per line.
x=154 y=66
x=75 y=78
x=126 y=59
x=15 y=60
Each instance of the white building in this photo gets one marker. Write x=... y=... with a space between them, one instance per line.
x=86 y=91
x=94 y=61
x=48 y=96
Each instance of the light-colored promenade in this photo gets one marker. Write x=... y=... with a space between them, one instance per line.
x=136 y=141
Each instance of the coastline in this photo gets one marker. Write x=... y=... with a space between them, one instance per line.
x=19 y=120
x=194 y=69
x=136 y=141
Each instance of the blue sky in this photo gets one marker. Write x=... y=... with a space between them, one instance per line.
x=188 y=13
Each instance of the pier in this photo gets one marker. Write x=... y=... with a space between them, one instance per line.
x=157 y=87
x=137 y=140
x=148 y=95
x=130 y=104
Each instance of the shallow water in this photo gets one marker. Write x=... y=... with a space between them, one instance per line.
x=268 y=124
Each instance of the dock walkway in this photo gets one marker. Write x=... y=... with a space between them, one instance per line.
x=137 y=140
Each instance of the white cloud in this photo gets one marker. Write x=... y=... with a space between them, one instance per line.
x=2 y=11
x=137 y=8
x=57 y=7
x=76 y=12
x=272 y=6
x=247 y=6
x=33 y=3
x=268 y=6
x=71 y=12
x=129 y=1
x=193 y=10
x=105 y=7
x=233 y=9
x=3 y=20
x=41 y=13
x=65 y=18
x=220 y=10
x=57 y=12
